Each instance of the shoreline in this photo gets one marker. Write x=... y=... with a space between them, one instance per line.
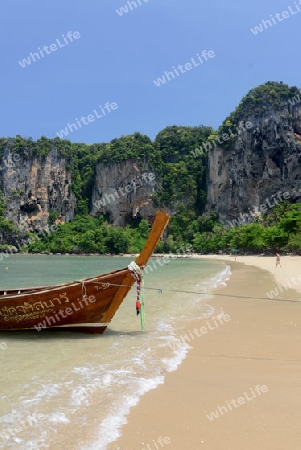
x=259 y=346
x=170 y=255
x=291 y=267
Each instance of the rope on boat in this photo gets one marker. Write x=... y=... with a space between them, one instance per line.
x=160 y=291
x=138 y=274
x=84 y=290
x=82 y=282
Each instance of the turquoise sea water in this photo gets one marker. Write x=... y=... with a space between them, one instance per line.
x=84 y=386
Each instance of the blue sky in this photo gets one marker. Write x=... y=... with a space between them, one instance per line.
x=117 y=58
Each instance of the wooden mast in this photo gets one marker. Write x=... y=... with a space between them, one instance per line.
x=159 y=226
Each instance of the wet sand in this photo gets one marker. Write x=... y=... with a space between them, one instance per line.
x=247 y=370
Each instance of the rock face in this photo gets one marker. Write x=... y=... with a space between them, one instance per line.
x=264 y=162
x=246 y=172
x=123 y=190
x=33 y=186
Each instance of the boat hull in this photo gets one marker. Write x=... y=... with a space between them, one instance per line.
x=83 y=305
x=76 y=328
x=78 y=306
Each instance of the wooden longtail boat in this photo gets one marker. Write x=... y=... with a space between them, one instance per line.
x=84 y=305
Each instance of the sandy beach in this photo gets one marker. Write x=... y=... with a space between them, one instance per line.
x=239 y=386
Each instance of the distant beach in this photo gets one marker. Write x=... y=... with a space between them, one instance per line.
x=259 y=346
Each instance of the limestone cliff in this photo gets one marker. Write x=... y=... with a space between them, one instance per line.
x=245 y=168
x=123 y=190
x=261 y=162
x=33 y=186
